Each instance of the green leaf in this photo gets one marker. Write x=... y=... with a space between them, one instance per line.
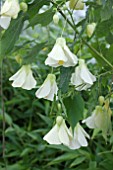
x=44 y=18
x=75 y=108
x=31 y=56
x=10 y=36
x=35 y=7
x=109 y=38
x=65 y=75
x=77 y=161
x=109 y=55
x=107 y=11
x=64 y=157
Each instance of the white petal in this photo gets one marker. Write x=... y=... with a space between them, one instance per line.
x=51 y=62
x=44 y=90
x=15 y=76
x=57 y=53
x=76 y=79
x=11 y=8
x=52 y=92
x=63 y=134
x=19 y=81
x=86 y=75
x=89 y=122
x=5 y=22
x=6 y=6
x=30 y=82
x=52 y=136
x=72 y=59
x=81 y=137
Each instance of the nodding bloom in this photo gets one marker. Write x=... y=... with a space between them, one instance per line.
x=90 y=29
x=100 y=119
x=76 y=4
x=59 y=134
x=23 y=78
x=48 y=89
x=79 y=138
x=61 y=55
x=82 y=78
x=10 y=9
x=96 y=119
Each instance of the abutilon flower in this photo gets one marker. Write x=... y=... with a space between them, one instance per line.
x=10 y=8
x=59 y=134
x=61 y=55
x=76 y=4
x=48 y=89
x=23 y=78
x=100 y=119
x=96 y=119
x=82 y=78
x=90 y=29
x=79 y=138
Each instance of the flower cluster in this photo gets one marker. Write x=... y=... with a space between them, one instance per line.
x=81 y=79
x=61 y=134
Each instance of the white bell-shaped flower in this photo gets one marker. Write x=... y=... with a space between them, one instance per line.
x=100 y=118
x=48 y=89
x=23 y=78
x=5 y=22
x=59 y=134
x=61 y=55
x=10 y=8
x=79 y=138
x=96 y=119
x=82 y=77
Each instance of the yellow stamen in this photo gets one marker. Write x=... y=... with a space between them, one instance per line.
x=60 y=62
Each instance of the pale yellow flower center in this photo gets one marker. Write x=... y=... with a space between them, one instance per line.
x=60 y=62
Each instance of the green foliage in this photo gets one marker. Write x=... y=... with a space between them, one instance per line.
x=31 y=37
x=75 y=108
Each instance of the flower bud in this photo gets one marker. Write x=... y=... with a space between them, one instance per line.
x=101 y=100
x=18 y=59
x=56 y=19
x=59 y=120
x=90 y=29
x=23 y=6
x=76 y=4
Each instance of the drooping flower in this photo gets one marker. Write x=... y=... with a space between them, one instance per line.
x=48 y=89
x=76 y=4
x=5 y=22
x=23 y=78
x=82 y=78
x=79 y=138
x=96 y=119
x=90 y=29
x=10 y=8
x=61 y=55
x=100 y=119
x=59 y=134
